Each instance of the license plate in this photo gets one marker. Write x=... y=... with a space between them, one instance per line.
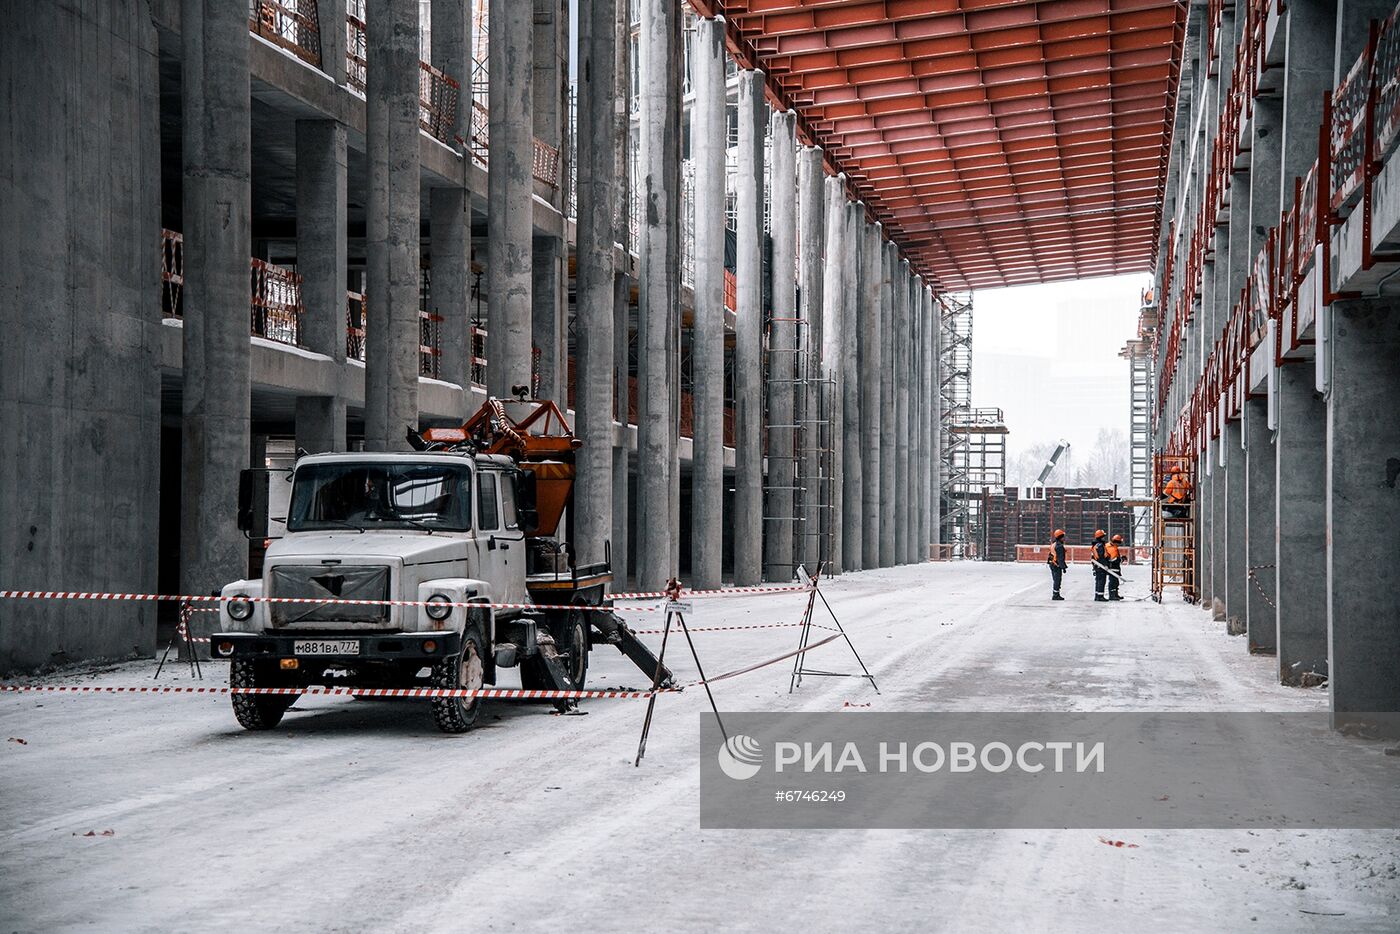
x=326 y=647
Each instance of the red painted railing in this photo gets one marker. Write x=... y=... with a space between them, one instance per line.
x=276 y=303
x=291 y=24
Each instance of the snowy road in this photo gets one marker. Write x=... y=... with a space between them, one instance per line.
x=361 y=816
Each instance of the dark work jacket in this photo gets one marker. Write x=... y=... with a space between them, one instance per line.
x=1056 y=558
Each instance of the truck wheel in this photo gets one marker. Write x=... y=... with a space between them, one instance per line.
x=256 y=711
x=458 y=714
x=576 y=642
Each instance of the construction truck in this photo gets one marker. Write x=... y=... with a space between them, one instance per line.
x=412 y=541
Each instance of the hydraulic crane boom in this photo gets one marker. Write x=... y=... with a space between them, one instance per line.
x=1060 y=449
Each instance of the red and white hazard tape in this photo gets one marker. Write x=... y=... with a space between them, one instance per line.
x=723 y=592
x=340 y=692
x=515 y=693
x=207 y=598
x=204 y=598
x=657 y=632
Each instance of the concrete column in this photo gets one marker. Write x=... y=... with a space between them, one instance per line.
x=1307 y=73
x=510 y=207
x=936 y=431
x=928 y=380
x=889 y=423
x=658 y=309
x=708 y=134
x=851 y=258
x=903 y=498
x=450 y=231
x=1363 y=505
x=320 y=424
x=1236 y=537
x=597 y=191
x=782 y=345
x=810 y=546
x=1300 y=536
x=748 y=334
x=217 y=216
x=451 y=52
x=321 y=262
x=80 y=394
x=869 y=332
x=550 y=254
x=622 y=304
x=622 y=455
x=331 y=15
x=1261 y=587
x=392 y=331
x=449 y=209
x=836 y=267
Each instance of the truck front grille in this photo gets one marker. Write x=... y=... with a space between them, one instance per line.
x=322 y=581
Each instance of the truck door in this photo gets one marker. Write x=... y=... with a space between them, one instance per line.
x=503 y=548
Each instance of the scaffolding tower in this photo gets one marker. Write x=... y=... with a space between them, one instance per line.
x=955 y=391
x=812 y=445
x=981 y=466
x=1138 y=352
x=1174 y=528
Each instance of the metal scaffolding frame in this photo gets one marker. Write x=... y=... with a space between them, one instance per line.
x=955 y=390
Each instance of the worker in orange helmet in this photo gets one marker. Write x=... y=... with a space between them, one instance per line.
x=1056 y=560
x=1114 y=551
x=1177 y=493
x=1099 y=550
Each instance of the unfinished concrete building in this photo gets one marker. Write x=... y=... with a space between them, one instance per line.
x=243 y=230
x=720 y=234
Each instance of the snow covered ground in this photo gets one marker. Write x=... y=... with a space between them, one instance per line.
x=361 y=816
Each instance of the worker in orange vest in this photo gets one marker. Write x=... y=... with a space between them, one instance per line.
x=1100 y=552
x=1177 y=493
x=1114 y=552
x=1056 y=560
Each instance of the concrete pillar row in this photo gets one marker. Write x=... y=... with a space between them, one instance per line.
x=510 y=205
x=782 y=344
x=810 y=545
x=835 y=336
x=708 y=136
x=321 y=261
x=658 y=307
x=597 y=192
x=748 y=334
x=853 y=451
x=217 y=212
x=392 y=332
x=869 y=331
x=889 y=417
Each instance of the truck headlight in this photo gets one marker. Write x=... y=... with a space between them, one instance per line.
x=240 y=608
x=439 y=607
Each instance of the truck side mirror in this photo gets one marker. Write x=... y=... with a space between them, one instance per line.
x=253 y=502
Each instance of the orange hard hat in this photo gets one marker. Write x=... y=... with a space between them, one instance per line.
x=1099 y=533
x=1117 y=538
x=1059 y=533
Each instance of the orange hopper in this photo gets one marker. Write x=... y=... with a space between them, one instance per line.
x=541 y=442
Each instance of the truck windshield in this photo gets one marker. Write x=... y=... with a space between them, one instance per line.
x=381 y=496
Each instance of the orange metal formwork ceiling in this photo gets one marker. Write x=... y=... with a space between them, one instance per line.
x=1000 y=142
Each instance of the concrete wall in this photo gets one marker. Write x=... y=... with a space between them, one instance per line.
x=80 y=311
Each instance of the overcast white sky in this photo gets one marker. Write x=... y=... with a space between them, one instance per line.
x=1048 y=356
